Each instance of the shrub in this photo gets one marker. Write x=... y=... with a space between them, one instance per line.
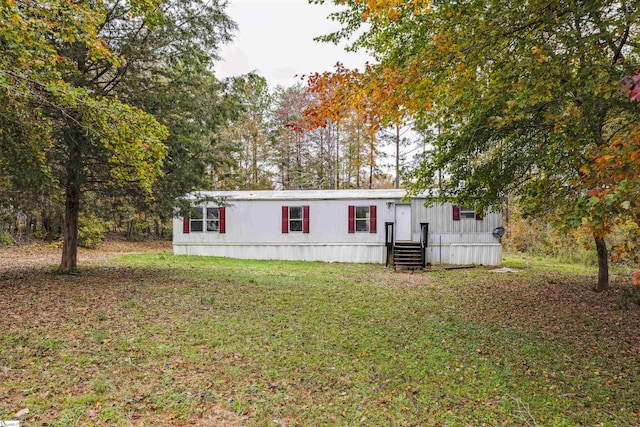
x=6 y=239
x=91 y=231
x=537 y=237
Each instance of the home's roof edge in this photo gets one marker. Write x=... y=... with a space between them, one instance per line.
x=302 y=194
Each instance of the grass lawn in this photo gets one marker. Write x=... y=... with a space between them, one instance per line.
x=158 y=339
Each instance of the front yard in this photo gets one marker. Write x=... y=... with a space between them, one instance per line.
x=156 y=339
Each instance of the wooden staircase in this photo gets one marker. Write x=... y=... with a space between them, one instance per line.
x=407 y=255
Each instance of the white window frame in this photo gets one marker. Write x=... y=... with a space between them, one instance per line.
x=366 y=219
x=214 y=222
x=196 y=218
x=467 y=213
x=202 y=221
x=296 y=220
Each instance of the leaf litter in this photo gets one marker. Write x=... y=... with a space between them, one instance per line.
x=142 y=342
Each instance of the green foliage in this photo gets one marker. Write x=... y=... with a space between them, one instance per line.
x=6 y=239
x=249 y=133
x=91 y=231
x=197 y=151
x=169 y=76
x=539 y=237
x=136 y=230
x=79 y=88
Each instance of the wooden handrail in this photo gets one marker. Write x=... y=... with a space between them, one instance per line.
x=388 y=241
x=424 y=242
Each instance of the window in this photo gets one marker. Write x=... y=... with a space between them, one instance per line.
x=213 y=219
x=205 y=220
x=467 y=213
x=196 y=220
x=363 y=219
x=295 y=218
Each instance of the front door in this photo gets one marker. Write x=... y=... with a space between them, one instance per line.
x=403 y=222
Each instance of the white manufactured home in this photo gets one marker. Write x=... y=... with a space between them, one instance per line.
x=373 y=226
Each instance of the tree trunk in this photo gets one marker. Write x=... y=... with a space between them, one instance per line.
x=47 y=226
x=603 y=265
x=72 y=207
x=70 y=225
x=321 y=163
x=254 y=159
x=507 y=227
x=129 y=232
x=397 y=157
x=27 y=228
x=337 y=155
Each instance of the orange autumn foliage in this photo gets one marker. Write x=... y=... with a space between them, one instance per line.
x=370 y=95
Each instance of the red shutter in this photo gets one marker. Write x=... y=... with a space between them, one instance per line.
x=185 y=225
x=223 y=219
x=305 y=219
x=478 y=216
x=456 y=213
x=373 y=219
x=352 y=219
x=285 y=219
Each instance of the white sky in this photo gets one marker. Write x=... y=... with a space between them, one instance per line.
x=275 y=39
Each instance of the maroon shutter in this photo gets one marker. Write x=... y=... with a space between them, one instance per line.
x=373 y=219
x=352 y=219
x=223 y=219
x=285 y=219
x=456 y=213
x=478 y=216
x=185 y=225
x=305 y=219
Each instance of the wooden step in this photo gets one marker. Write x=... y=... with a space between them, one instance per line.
x=407 y=255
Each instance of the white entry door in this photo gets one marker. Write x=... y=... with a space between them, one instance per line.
x=403 y=222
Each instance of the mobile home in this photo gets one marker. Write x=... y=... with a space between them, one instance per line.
x=372 y=226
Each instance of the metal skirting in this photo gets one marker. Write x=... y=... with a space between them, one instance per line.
x=307 y=252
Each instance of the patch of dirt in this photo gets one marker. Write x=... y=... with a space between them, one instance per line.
x=504 y=270
x=405 y=278
x=217 y=416
x=49 y=254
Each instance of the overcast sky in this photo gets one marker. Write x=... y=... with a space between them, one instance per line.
x=275 y=39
